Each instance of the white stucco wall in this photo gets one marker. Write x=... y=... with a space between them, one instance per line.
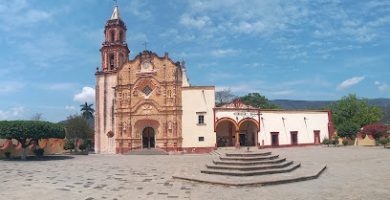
x=104 y=122
x=304 y=122
x=195 y=101
x=237 y=115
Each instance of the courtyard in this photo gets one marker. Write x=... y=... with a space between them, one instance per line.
x=352 y=173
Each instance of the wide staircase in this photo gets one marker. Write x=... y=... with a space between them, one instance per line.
x=232 y=167
x=250 y=164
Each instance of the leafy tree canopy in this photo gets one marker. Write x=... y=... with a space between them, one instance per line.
x=27 y=132
x=34 y=130
x=376 y=130
x=77 y=128
x=258 y=101
x=350 y=114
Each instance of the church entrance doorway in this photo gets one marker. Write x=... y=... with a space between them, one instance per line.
x=148 y=140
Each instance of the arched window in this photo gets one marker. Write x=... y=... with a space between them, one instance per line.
x=112 y=36
x=121 y=59
x=112 y=59
x=121 y=36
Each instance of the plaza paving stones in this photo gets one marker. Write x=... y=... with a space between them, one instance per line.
x=352 y=173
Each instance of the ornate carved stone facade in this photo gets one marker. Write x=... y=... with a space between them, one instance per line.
x=139 y=100
x=148 y=94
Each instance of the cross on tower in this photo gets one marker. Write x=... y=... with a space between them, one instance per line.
x=145 y=44
x=116 y=2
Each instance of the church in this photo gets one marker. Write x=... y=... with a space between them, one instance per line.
x=148 y=102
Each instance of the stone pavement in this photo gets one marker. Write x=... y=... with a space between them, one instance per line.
x=352 y=173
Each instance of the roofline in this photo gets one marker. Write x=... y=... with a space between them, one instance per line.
x=198 y=87
x=269 y=110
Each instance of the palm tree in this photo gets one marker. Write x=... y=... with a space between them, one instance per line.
x=87 y=111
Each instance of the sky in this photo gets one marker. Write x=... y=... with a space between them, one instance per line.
x=302 y=50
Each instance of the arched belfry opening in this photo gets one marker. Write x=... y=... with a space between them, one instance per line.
x=112 y=36
x=112 y=62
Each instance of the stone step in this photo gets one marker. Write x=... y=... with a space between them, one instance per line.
x=220 y=162
x=152 y=151
x=305 y=172
x=248 y=154
x=257 y=158
x=251 y=168
x=250 y=173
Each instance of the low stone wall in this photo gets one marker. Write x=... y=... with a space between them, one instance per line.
x=51 y=146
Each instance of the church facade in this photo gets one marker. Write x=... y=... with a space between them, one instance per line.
x=147 y=102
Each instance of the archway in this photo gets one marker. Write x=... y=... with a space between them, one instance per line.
x=248 y=132
x=226 y=132
x=148 y=140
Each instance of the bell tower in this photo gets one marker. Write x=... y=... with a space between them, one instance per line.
x=114 y=48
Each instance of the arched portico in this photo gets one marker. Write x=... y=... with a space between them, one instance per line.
x=248 y=132
x=226 y=130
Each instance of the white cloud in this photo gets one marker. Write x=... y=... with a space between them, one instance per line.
x=382 y=87
x=6 y=87
x=246 y=27
x=18 y=13
x=282 y=92
x=194 y=22
x=71 y=108
x=13 y=113
x=139 y=9
x=61 y=86
x=350 y=82
x=86 y=95
x=335 y=21
x=224 y=52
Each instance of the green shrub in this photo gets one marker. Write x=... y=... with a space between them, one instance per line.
x=326 y=141
x=39 y=152
x=7 y=154
x=335 y=141
x=384 y=141
x=69 y=145
x=345 y=142
x=82 y=147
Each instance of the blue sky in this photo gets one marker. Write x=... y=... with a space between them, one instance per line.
x=310 y=50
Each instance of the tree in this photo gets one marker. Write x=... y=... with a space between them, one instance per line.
x=29 y=132
x=258 y=101
x=350 y=114
x=87 y=111
x=77 y=128
x=37 y=117
x=223 y=96
x=376 y=130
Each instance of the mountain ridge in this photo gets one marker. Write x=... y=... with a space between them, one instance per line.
x=290 y=104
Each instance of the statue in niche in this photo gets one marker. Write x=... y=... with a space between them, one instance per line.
x=158 y=91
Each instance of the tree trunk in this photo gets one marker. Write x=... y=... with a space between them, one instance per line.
x=24 y=151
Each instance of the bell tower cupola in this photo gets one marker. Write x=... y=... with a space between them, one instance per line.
x=114 y=48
